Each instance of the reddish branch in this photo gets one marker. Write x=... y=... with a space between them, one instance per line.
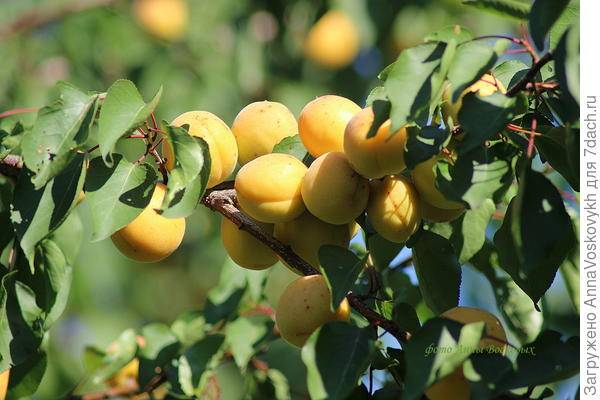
x=530 y=75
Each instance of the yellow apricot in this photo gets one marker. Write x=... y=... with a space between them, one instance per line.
x=4 y=383
x=394 y=209
x=260 y=126
x=268 y=188
x=322 y=122
x=332 y=191
x=304 y=306
x=423 y=176
x=433 y=214
x=455 y=386
x=333 y=41
x=306 y=234
x=377 y=156
x=150 y=237
x=165 y=19
x=244 y=249
x=485 y=86
x=126 y=374
x=279 y=278
x=221 y=143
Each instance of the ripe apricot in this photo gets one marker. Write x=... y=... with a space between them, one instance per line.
x=304 y=306
x=221 y=143
x=394 y=209
x=485 y=86
x=244 y=249
x=268 y=188
x=333 y=41
x=332 y=191
x=423 y=176
x=377 y=156
x=260 y=126
x=322 y=123
x=306 y=234
x=150 y=237
x=433 y=214
x=165 y=19
x=4 y=383
x=455 y=386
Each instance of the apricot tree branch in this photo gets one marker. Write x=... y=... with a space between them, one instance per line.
x=530 y=75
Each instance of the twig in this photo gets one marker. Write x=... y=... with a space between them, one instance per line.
x=530 y=75
x=16 y=111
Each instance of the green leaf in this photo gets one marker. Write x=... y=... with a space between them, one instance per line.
x=482 y=117
x=413 y=81
x=26 y=377
x=406 y=317
x=569 y=270
x=382 y=250
x=436 y=350
x=122 y=351
x=336 y=356
x=484 y=173
x=161 y=346
x=122 y=111
x=189 y=327
x=6 y=194
x=341 y=268
x=567 y=18
x=510 y=72
x=36 y=213
x=11 y=141
x=456 y=33
x=68 y=237
x=241 y=336
x=195 y=361
x=60 y=128
x=377 y=94
x=285 y=358
x=536 y=235
x=520 y=313
x=118 y=194
x=554 y=148
x=543 y=15
x=438 y=271
x=423 y=143
x=470 y=62
x=506 y=8
x=291 y=145
x=400 y=287
x=567 y=65
x=190 y=174
x=467 y=233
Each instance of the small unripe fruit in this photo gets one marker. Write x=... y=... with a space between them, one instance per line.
x=260 y=126
x=377 y=156
x=455 y=386
x=221 y=143
x=322 y=123
x=304 y=306
x=165 y=19
x=394 y=209
x=306 y=234
x=4 y=383
x=485 y=86
x=332 y=191
x=333 y=41
x=150 y=237
x=268 y=188
x=423 y=176
x=434 y=214
x=244 y=249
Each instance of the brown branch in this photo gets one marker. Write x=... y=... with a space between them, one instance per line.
x=43 y=16
x=376 y=319
x=530 y=75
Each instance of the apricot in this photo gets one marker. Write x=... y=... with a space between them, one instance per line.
x=304 y=306
x=126 y=374
x=485 y=86
x=332 y=191
x=333 y=41
x=4 y=383
x=268 y=188
x=455 y=386
x=221 y=143
x=165 y=19
x=260 y=126
x=150 y=237
x=322 y=123
x=306 y=234
x=394 y=208
x=244 y=249
x=377 y=156
x=433 y=214
x=423 y=176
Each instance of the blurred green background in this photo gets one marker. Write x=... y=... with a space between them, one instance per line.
x=233 y=52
